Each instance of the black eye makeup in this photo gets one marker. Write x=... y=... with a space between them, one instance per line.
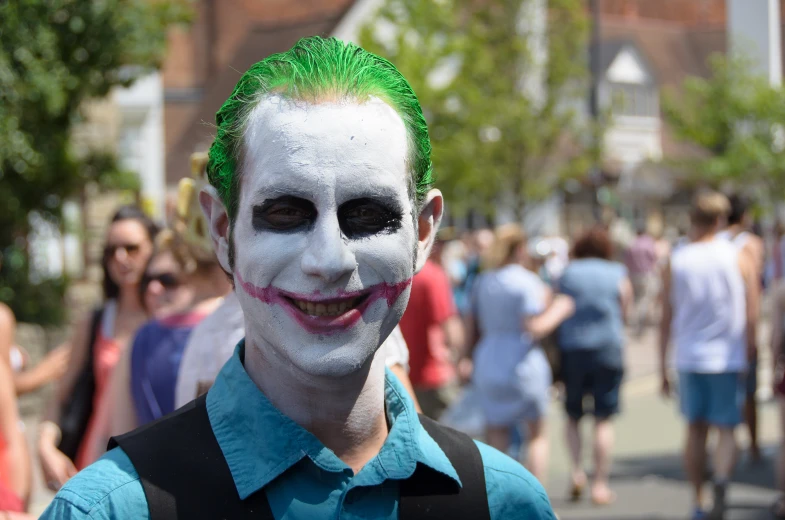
x=364 y=217
x=285 y=214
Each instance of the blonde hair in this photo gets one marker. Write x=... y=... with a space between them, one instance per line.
x=708 y=207
x=507 y=239
x=187 y=237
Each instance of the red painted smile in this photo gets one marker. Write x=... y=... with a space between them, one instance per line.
x=319 y=314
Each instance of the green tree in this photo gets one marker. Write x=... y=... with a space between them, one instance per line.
x=54 y=56
x=501 y=92
x=735 y=120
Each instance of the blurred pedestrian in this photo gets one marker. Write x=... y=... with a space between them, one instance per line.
x=708 y=315
x=778 y=379
x=510 y=313
x=50 y=369
x=143 y=386
x=97 y=343
x=434 y=334
x=15 y=470
x=592 y=360
x=641 y=261
x=477 y=244
x=739 y=233
x=187 y=284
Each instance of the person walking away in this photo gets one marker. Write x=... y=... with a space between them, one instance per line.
x=591 y=342
x=709 y=318
x=97 y=344
x=434 y=333
x=15 y=470
x=778 y=379
x=511 y=374
x=641 y=261
x=739 y=233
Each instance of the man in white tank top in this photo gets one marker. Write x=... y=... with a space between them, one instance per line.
x=707 y=316
x=748 y=244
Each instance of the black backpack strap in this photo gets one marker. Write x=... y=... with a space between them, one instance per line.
x=183 y=471
x=185 y=476
x=429 y=494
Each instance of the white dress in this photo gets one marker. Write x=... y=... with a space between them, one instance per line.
x=511 y=373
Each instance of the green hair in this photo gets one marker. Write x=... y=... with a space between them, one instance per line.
x=313 y=70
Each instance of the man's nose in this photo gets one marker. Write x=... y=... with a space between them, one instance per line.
x=327 y=255
x=120 y=254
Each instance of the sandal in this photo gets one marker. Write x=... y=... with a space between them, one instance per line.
x=576 y=491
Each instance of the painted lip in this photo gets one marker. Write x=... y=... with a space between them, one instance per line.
x=326 y=325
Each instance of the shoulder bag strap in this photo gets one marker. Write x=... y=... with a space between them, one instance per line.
x=430 y=495
x=183 y=471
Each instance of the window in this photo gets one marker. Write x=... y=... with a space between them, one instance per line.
x=634 y=100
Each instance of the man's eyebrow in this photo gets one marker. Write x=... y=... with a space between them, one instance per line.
x=272 y=192
x=382 y=194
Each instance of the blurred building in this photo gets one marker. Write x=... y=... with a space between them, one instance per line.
x=644 y=48
x=206 y=60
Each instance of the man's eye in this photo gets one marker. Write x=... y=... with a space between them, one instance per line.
x=362 y=218
x=286 y=215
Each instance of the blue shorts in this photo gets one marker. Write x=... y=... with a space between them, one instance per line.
x=717 y=399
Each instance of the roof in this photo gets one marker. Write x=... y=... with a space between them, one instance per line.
x=610 y=48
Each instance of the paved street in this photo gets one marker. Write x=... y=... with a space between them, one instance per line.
x=647 y=473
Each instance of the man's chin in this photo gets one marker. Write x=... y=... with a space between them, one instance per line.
x=340 y=361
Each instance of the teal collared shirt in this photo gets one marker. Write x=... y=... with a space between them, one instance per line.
x=302 y=478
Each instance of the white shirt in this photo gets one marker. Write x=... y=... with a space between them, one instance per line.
x=212 y=343
x=709 y=308
x=739 y=240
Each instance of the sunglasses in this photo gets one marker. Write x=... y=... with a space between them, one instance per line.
x=167 y=280
x=129 y=249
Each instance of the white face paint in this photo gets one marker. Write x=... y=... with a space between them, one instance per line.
x=324 y=235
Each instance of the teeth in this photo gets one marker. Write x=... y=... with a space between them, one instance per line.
x=321 y=309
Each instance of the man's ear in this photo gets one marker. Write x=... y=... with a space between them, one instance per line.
x=428 y=225
x=218 y=224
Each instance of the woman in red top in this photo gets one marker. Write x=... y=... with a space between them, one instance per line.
x=129 y=245
x=14 y=457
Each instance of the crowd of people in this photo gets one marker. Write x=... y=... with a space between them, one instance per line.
x=491 y=312
x=496 y=323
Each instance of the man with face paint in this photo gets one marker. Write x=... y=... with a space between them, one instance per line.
x=321 y=209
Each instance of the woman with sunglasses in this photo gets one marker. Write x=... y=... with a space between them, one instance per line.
x=184 y=284
x=98 y=341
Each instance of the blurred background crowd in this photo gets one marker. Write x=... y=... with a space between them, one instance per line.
x=570 y=138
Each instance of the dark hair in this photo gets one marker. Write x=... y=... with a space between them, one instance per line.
x=739 y=205
x=111 y=289
x=594 y=243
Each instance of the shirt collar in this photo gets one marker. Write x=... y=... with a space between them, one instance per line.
x=260 y=443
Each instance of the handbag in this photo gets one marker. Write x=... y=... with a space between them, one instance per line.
x=75 y=412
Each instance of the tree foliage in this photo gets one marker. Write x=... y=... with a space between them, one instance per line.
x=501 y=92
x=736 y=119
x=54 y=56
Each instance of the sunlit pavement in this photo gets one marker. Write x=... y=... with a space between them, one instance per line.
x=647 y=472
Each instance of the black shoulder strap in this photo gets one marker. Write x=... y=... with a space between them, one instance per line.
x=183 y=471
x=95 y=325
x=185 y=476
x=430 y=495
